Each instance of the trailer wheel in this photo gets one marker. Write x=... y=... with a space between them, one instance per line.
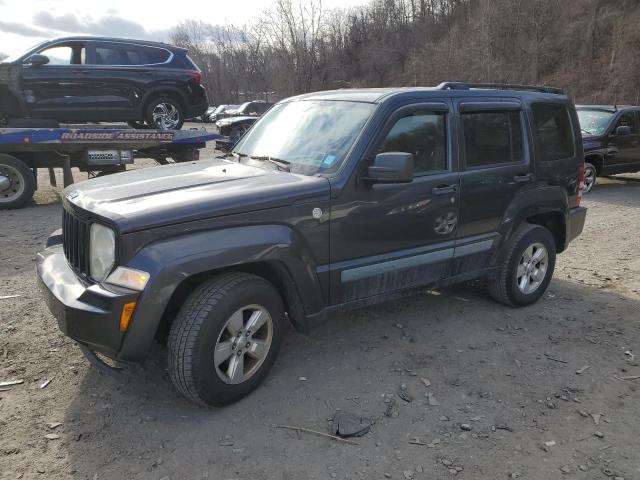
x=17 y=182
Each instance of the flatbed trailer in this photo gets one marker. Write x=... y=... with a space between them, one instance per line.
x=95 y=150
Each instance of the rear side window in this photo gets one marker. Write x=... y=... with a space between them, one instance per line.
x=552 y=126
x=154 y=55
x=117 y=54
x=422 y=134
x=492 y=138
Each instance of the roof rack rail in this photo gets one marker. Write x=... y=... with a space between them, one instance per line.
x=499 y=86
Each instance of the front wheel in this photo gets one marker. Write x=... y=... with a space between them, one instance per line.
x=590 y=175
x=225 y=338
x=17 y=182
x=526 y=267
x=164 y=113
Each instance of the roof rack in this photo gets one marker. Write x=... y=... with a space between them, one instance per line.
x=499 y=86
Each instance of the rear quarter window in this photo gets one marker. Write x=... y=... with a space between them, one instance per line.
x=154 y=55
x=553 y=131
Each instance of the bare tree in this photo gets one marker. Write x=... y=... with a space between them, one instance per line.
x=590 y=47
x=3 y=56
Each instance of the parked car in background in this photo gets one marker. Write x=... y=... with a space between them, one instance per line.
x=611 y=139
x=235 y=127
x=254 y=108
x=98 y=79
x=221 y=111
x=239 y=121
x=332 y=201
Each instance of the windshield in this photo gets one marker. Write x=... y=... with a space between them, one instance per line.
x=594 y=122
x=312 y=136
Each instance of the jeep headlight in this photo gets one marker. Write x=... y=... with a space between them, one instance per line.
x=102 y=251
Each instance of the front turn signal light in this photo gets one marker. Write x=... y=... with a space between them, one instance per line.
x=125 y=316
x=129 y=278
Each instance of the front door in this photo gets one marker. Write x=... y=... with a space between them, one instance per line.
x=627 y=146
x=385 y=237
x=494 y=166
x=60 y=88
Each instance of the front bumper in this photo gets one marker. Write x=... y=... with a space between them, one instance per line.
x=89 y=314
x=575 y=222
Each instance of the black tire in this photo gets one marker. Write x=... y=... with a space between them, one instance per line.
x=171 y=106
x=590 y=177
x=504 y=286
x=200 y=324
x=17 y=182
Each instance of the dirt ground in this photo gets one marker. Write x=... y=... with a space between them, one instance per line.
x=543 y=392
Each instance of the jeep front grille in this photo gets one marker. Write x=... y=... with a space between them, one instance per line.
x=75 y=241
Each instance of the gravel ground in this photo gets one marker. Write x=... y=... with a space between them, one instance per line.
x=542 y=392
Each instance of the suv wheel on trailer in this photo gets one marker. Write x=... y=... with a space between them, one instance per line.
x=164 y=113
x=225 y=338
x=590 y=175
x=17 y=183
x=526 y=267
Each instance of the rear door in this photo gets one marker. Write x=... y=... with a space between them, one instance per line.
x=118 y=77
x=495 y=165
x=61 y=88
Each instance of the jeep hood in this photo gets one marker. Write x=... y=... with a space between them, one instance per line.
x=184 y=192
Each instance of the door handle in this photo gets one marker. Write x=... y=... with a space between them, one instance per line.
x=523 y=178
x=82 y=72
x=444 y=189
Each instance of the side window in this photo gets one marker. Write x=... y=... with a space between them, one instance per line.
x=65 y=54
x=492 y=138
x=553 y=130
x=107 y=54
x=424 y=135
x=117 y=54
x=154 y=55
x=629 y=120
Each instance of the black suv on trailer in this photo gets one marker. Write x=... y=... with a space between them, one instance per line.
x=96 y=79
x=611 y=140
x=331 y=201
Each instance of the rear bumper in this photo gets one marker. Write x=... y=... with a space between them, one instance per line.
x=575 y=223
x=89 y=314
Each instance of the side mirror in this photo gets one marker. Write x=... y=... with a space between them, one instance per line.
x=37 y=60
x=391 y=167
x=621 y=131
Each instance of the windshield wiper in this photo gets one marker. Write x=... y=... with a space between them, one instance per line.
x=586 y=131
x=281 y=164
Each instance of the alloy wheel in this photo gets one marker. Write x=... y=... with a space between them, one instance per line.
x=166 y=116
x=243 y=344
x=532 y=268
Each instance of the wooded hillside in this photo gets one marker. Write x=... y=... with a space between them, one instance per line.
x=589 y=47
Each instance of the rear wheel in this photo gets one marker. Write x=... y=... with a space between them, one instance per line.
x=225 y=338
x=590 y=175
x=17 y=182
x=164 y=113
x=526 y=267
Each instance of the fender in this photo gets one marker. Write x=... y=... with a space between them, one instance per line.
x=165 y=88
x=535 y=201
x=173 y=260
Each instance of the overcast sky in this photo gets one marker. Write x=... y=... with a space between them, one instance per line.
x=24 y=23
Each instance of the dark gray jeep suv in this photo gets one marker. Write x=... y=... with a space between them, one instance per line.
x=98 y=79
x=331 y=201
